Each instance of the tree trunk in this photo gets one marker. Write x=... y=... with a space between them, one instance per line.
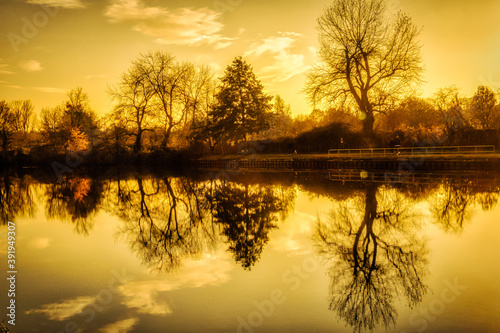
x=368 y=126
x=137 y=144
x=166 y=138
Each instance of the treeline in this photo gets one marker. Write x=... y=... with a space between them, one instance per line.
x=164 y=107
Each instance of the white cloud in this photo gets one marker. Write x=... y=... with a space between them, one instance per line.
x=70 y=4
x=31 y=66
x=144 y=295
x=272 y=45
x=122 y=326
x=286 y=64
x=65 y=309
x=50 y=90
x=183 y=26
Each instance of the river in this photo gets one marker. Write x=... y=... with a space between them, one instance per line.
x=337 y=251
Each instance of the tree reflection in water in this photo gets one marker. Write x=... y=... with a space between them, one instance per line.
x=169 y=220
x=453 y=205
x=74 y=199
x=247 y=214
x=16 y=198
x=165 y=220
x=375 y=253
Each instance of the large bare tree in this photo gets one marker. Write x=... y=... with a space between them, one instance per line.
x=133 y=108
x=366 y=58
x=177 y=89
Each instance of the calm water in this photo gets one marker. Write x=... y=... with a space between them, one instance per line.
x=344 y=251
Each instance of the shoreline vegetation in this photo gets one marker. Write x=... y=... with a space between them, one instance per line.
x=101 y=149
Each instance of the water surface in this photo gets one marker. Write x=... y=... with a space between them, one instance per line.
x=339 y=251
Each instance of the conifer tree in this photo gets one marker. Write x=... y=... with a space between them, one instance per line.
x=241 y=107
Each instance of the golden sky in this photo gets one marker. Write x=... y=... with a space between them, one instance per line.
x=48 y=47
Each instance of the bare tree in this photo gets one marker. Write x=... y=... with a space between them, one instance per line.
x=164 y=76
x=178 y=90
x=450 y=104
x=366 y=59
x=199 y=85
x=51 y=119
x=133 y=96
x=24 y=115
x=6 y=125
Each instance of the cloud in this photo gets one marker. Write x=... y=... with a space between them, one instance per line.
x=50 y=90
x=69 y=4
x=4 y=68
x=122 y=326
x=31 y=66
x=145 y=295
x=285 y=67
x=286 y=64
x=64 y=310
x=95 y=76
x=183 y=26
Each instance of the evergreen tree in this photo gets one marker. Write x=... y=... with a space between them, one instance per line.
x=241 y=107
x=483 y=107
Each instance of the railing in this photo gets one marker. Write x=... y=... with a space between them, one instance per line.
x=443 y=150
x=396 y=177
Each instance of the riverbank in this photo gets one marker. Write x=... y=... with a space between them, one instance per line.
x=490 y=161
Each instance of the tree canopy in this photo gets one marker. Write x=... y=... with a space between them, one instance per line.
x=365 y=59
x=241 y=107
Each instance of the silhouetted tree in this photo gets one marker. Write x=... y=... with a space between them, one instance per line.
x=175 y=93
x=24 y=116
x=78 y=112
x=52 y=124
x=450 y=104
x=202 y=128
x=75 y=113
x=134 y=104
x=366 y=59
x=7 y=119
x=241 y=108
x=483 y=107
x=412 y=112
